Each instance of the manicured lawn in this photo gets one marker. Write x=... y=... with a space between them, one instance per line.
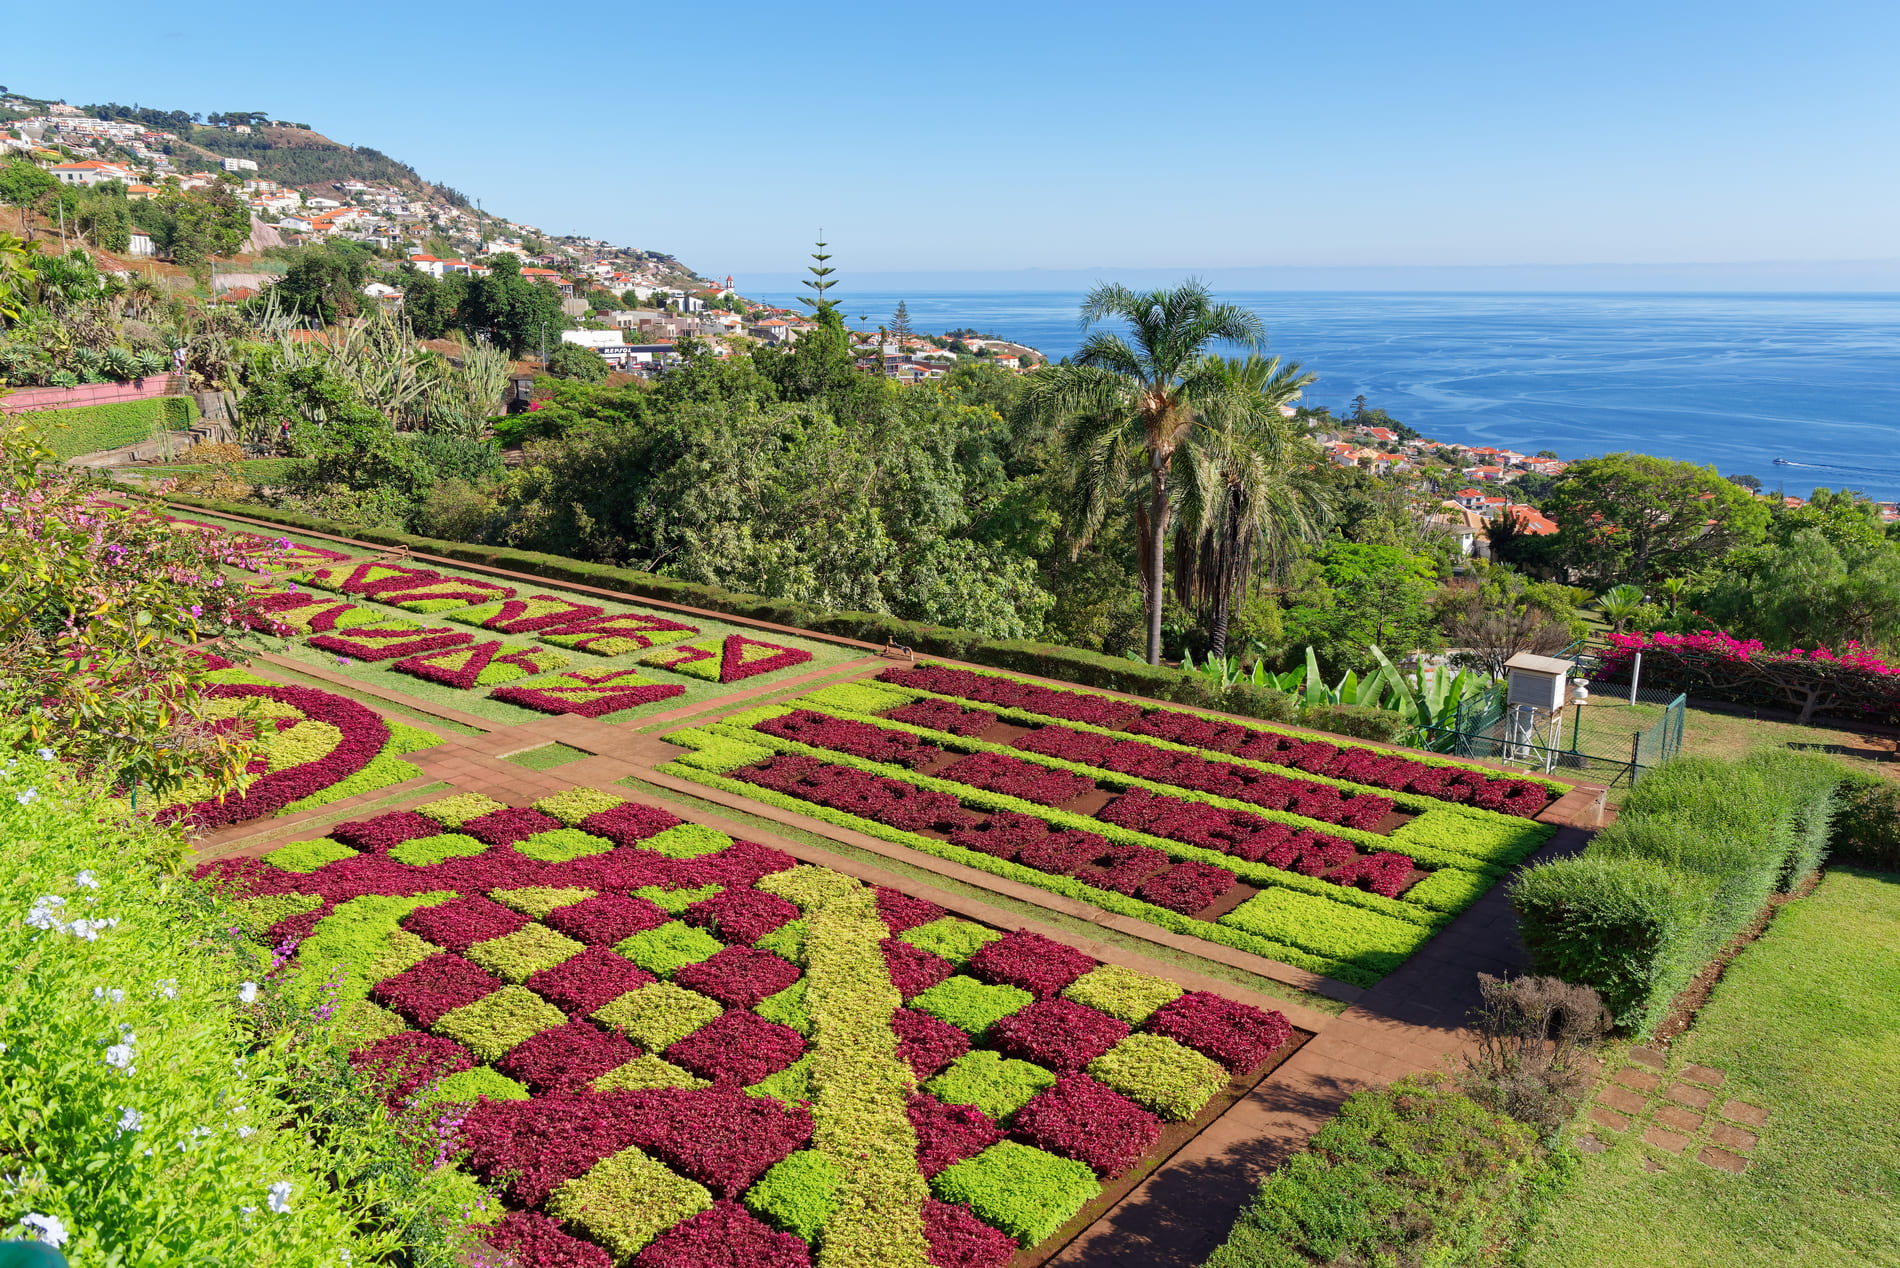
x=547 y=757
x=1807 y=1025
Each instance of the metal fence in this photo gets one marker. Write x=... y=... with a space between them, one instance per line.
x=1611 y=738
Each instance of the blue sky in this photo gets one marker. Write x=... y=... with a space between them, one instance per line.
x=1074 y=137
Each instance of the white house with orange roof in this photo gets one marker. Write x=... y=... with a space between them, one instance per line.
x=91 y=172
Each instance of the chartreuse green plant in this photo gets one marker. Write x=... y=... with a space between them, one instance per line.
x=1417 y=1174
x=675 y=901
x=647 y=1071
x=1123 y=993
x=995 y=1084
x=453 y=812
x=518 y=956
x=1026 y=1192
x=626 y=1201
x=798 y=1194
x=793 y=1083
x=1156 y=1072
x=422 y=851
x=308 y=856
x=787 y=1008
x=476 y=1082
x=1376 y=943
x=668 y=947
x=495 y=1023
x=658 y=1015
x=686 y=841
x=953 y=939
x=572 y=805
x=539 y=900
x=969 y=1005
x=558 y=845
x=155 y=1071
x=859 y=1119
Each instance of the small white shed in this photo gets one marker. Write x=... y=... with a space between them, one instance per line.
x=1538 y=681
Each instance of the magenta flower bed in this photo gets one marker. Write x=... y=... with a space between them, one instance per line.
x=461 y=923
x=738 y=977
x=437 y=986
x=1057 y=1033
x=740 y=915
x=505 y=827
x=364 y=735
x=1081 y=1119
x=370 y=643
x=1006 y=835
x=407 y=1060
x=927 y=1044
x=1037 y=964
x=513 y=617
x=960 y=1240
x=859 y=739
x=913 y=970
x=888 y=801
x=629 y=822
x=593 y=979
x=1191 y=729
x=737 y=661
x=1187 y=887
x=1253 y=838
x=588 y=695
x=1011 y=694
x=1237 y=1035
x=1014 y=777
x=606 y=918
x=1122 y=868
x=944 y=715
x=567 y=1056
x=723 y=1236
x=720 y=1136
x=533 y=1240
x=738 y=1047
x=385 y=832
x=949 y=1133
x=901 y=911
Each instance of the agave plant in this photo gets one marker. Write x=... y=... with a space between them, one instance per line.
x=151 y=362
x=119 y=363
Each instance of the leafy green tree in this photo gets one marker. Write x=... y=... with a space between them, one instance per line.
x=1364 y=596
x=1632 y=517
x=1127 y=409
x=1253 y=492
x=1810 y=588
x=1746 y=481
x=431 y=305
x=603 y=301
x=1500 y=613
x=17 y=275
x=511 y=310
x=23 y=182
x=326 y=281
x=578 y=364
x=204 y=223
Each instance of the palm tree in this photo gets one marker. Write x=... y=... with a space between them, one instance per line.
x=1252 y=487
x=1619 y=604
x=1120 y=405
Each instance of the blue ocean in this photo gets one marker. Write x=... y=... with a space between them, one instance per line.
x=1730 y=380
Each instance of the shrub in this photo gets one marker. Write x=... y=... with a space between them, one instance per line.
x=1866 y=829
x=1412 y=1174
x=1359 y=721
x=1161 y=1075
x=566 y=1057
x=86 y=429
x=1026 y=1192
x=1532 y=1035
x=594 y=978
x=1356 y=936
x=538 y=900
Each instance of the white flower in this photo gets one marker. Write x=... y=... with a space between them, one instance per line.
x=115 y=995
x=45 y=1228
x=120 y=1056
x=46 y=755
x=45 y=912
x=27 y=798
x=278 y=1197
x=168 y=988
x=247 y=993
x=129 y=1120
x=245 y=1131
x=87 y=879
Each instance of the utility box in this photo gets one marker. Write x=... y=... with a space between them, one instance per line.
x=1538 y=681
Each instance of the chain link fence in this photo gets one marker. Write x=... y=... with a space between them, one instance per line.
x=1611 y=737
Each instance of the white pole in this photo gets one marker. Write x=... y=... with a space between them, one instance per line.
x=1636 y=671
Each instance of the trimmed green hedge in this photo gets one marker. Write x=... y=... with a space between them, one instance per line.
x=1698 y=849
x=85 y=429
x=1866 y=830
x=1414 y=1174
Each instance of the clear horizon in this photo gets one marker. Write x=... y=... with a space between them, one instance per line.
x=1475 y=136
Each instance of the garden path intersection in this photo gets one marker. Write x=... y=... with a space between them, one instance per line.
x=580 y=918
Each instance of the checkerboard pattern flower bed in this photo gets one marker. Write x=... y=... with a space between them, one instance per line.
x=746 y=1100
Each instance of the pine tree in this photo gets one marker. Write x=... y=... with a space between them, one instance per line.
x=900 y=325
x=821 y=282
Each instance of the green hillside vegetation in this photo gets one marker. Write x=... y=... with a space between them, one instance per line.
x=292 y=156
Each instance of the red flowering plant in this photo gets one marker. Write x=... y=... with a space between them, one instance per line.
x=100 y=609
x=859 y=739
x=1074 y=706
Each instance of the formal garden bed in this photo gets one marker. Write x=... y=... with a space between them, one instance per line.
x=666 y=1047
x=1243 y=835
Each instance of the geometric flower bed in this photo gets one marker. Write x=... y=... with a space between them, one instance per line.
x=1375 y=767
x=726 y=660
x=315 y=747
x=390 y=640
x=620 y=632
x=527 y=616
x=1133 y=822
x=672 y=1048
x=445 y=594
x=481 y=664
x=589 y=695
